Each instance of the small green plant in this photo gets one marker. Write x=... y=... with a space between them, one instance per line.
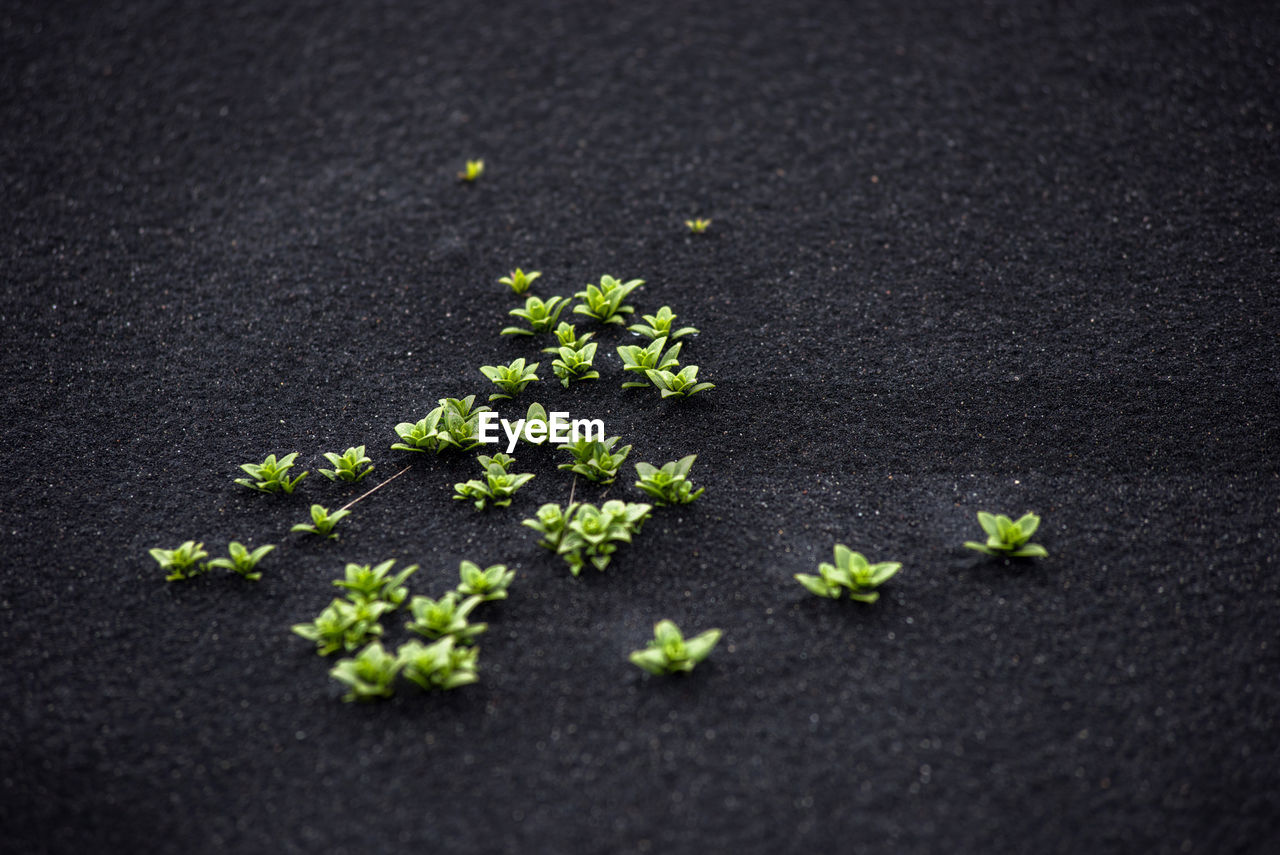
x=680 y=385
x=364 y=583
x=453 y=424
x=575 y=364
x=596 y=460
x=322 y=522
x=1008 y=538
x=445 y=616
x=511 y=379
x=348 y=465
x=604 y=302
x=669 y=485
x=584 y=533
x=669 y=653
x=488 y=584
x=567 y=336
x=642 y=360
x=241 y=560
x=473 y=170
x=698 y=225
x=443 y=665
x=498 y=485
x=344 y=625
x=271 y=475
x=182 y=563
x=536 y=415
x=519 y=281
x=370 y=675
x=552 y=522
x=541 y=315
x=659 y=326
x=852 y=573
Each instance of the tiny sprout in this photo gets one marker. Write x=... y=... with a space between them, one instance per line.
x=475 y=168
x=365 y=584
x=242 y=561
x=498 y=485
x=344 y=625
x=542 y=315
x=347 y=466
x=445 y=616
x=519 y=281
x=511 y=379
x=680 y=385
x=370 y=675
x=322 y=521
x=1009 y=538
x=575 y=364
x=697 y=225
x=488 y=584
x=567 y=336
x=670 y=653
x=552 y=523
x=271 y=475
x=669 y=485
x=659 y=325
x=455 y=423
x=851 y=573
x=442 y=665
x=642 y=360
x=182 y=563
x=604 y=302
x=595 y=459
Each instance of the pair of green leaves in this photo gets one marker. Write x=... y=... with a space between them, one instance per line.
x=271 y=475
x=453 y=424
x=670 y=653
x=498 y=486
x=851 y=573
x=322 y=522
x=595 y=459
x=1006 y=537
x=669 y=485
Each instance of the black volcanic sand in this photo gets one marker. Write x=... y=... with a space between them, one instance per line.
x=964 y=256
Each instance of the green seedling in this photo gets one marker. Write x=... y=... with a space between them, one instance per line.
x=445 y=616
x=697 y=225
x=511 y=379
x=659 y=326
x=344 y=625
x=519 y=281
x=575 y=364
x=604 y=301
x=552 y=523
x=498 y=485
x=584 y=533
x=642 y=360
x=241 y=560
x=443 y=665
x=1008 y=538
x=536 y=415
x=182 y=563
x=348 y=465
x=541 y=315
x=488 y=584
x=669 y=485
x=567 y=336
x=370 y=675
x=670 y=653
x=271 y=475
x=364 y=583
x=680 y=385
x=322 y=522
x=852 y=573
x=595 y=460
x=474 y=169
x=453 y=424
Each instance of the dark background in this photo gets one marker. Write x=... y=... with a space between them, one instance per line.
x=965 y=256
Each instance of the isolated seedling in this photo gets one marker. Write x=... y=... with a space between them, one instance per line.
x=642 y=360
x=271 y=475
x=541 y=315
x=575 y=364
x=453 y=424
x=474 y=169
x=182 y=563
x=567 y=336
x=511 y=379
x=241 y=560
x=445 y=616
x=604 y=302
x=669 y=653
x=488 y=584
x=659 y=326
x=498 y=485
x=351 y=465
x=583 y=532
x=364 y=583
x=442 y=665
x=322 y=522
x=519 y=281
x=698 y=225
x=1008 y=538
x=344 y=625
x=851 y=573
x=370 y=675
x=669 y=485
x=595 y=460
x=680 y=385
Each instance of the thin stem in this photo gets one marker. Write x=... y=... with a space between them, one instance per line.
x=377 y=488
